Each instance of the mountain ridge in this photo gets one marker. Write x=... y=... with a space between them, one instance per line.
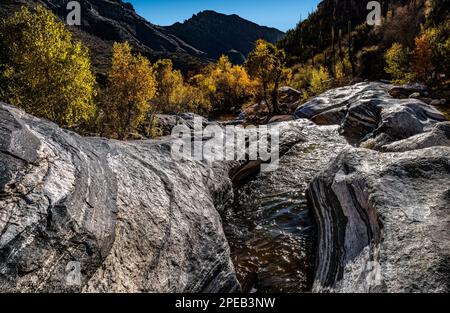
x=216 y=34
x=106 y=21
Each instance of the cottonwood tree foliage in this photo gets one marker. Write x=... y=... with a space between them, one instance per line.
x=226 y=87
x=425 y=61
x=397 y=60
x=320 y=80
x=174 y=95
x=44 y=70
x=131 y=86
x=266 y=63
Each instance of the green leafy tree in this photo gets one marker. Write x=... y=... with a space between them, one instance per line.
x=44 y=70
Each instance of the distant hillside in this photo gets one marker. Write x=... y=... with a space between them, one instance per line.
x=314 y=34
x=326 y=31
x=201 y=39
x=218 y=34
x=106 y=21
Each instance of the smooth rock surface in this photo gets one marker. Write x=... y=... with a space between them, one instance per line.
x=133 y=218
x=166 y=122
x=384 y=222
x=334 y=99
x=406 y=90
x=439 y=135
x=368 y=116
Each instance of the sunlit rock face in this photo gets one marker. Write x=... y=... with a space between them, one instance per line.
x=368 y=116
x=131 y=217
x=383 y=222
x=382 y=215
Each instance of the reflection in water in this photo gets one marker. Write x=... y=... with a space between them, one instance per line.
x=272 y=236
x=270 y=229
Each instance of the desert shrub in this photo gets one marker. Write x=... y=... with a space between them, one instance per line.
x=301 y=77
x=397 y=60
x=44 y=70
x=342 y=70
x=320 y=80
x=131 y=86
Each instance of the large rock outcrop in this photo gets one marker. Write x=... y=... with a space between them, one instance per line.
x=132 y=219
x=384 y=222
x=368 y=116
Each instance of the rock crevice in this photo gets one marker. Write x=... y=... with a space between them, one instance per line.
x=383 y=222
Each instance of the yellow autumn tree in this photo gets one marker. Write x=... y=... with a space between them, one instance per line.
x=226 y=86
x=266 y=63
x=44 y=70
x=131 y=86
x=397 y=60
x=174 y=95
x=422 y=60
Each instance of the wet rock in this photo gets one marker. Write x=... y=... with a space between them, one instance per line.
x=383 y=222
x=125 y=214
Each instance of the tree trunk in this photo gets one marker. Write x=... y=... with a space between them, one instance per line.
x=350 y=48
x=265 y=98
x=341 y=55
x=276 y=107
x=333 y=53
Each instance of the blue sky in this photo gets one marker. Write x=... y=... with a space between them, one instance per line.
x=282 y=14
